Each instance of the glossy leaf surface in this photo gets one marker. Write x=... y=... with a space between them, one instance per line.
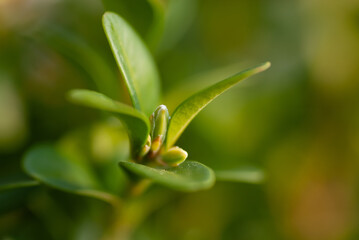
x=189 y=176
x=135 y=62
x=188 y=109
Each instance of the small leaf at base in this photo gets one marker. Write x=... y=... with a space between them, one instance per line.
x=188 y=177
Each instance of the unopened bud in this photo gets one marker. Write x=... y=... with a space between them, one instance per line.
x=146 y=148
x=156 y=145
x=152 y=123
x=159 y=122
x=144 y=151
x=174 y=156
x=148 y=141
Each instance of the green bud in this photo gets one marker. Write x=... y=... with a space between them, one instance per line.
x=156 y=145
x=152 y=123
x=174 y=156
x=159 y=122
x=148 y=141
x=146 y=148
x=144 y=151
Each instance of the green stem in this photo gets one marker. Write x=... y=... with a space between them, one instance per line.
x=134 y=209
x=127 y=214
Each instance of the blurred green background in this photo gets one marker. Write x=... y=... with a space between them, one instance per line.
x=299 y=120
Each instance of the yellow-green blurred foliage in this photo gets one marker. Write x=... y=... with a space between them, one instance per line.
x=299 y=121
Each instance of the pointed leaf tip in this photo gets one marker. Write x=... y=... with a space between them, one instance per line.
x=265 y=66
x=189 y=108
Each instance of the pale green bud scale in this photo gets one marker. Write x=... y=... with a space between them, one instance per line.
x=174 y=156
x=146 y=148
x=156 y=145
x=159 y=121
x=144 y=151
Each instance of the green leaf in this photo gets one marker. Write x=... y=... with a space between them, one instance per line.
x=174 y=96
x=18 y=184
x=46 y=164
x=189 y=176
x=188 y=109
x=135 y=62
x=247 y=175
x=86 y=57
x=137 y=123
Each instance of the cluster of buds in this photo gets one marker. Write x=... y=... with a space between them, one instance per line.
x=154 y=150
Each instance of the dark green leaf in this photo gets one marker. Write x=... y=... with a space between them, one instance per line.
x=46 y=164
x=188 y=109
x=137 y=124
x=135 y=62
x=189 y=176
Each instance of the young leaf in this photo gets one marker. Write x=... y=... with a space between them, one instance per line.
x=188 y=109
x=248 y=175
x=46 y=164
x=189 y=176
x=135 y=62
x=137 y=124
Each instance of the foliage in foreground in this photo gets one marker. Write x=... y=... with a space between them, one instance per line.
x=152 y=133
